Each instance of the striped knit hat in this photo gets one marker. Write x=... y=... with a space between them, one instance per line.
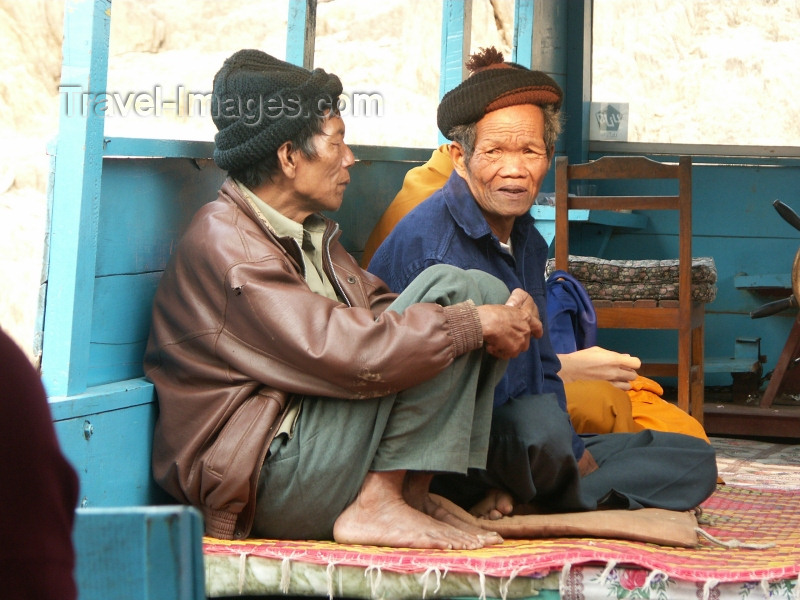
x=494 y=84
x=260 y=102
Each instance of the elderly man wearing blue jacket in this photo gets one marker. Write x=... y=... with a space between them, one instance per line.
x=503 y=121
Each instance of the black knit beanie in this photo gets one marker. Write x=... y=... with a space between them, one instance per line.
x=494 y=84
x=260 y=102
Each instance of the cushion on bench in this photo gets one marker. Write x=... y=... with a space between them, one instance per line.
x=631 y=280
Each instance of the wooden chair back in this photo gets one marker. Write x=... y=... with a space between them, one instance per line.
x=684 y=315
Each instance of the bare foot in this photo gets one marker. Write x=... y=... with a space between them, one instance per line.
x=380 y=516
x=415 y=493
x=495 y=505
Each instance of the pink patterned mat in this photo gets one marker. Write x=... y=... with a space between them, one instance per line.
x=733 y=513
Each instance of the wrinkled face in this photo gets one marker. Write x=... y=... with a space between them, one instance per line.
x=320 y=182
x=508 y=166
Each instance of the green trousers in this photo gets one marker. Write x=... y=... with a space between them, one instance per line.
x=441 y=425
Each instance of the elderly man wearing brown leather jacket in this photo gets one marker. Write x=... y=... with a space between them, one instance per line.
x=300 y=398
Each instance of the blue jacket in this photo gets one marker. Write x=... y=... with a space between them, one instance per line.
x=571 y=319
x=449 y=228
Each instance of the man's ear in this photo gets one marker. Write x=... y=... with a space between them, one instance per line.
x=287 y=159
x=458 y=158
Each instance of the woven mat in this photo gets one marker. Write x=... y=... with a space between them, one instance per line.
x=748 y=515
x=758 y=464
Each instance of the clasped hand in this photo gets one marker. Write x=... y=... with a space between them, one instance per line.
x=508 y=328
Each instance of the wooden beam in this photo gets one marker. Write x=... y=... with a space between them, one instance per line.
x=75 y=197
x=301 y=33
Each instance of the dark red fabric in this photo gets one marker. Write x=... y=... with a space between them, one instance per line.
x=38 y=488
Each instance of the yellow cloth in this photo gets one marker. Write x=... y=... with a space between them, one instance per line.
x=419 y=183
x=594 y=406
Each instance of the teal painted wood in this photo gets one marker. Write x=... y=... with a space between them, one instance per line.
x=575 y=56
x=152 y=148
x=766 y=281
x=301 y=33
x=121 y=325
x=111 y=452
x=605 y=223
x=106 y=435
x=735 y=200
x=522 y=50
x=103 y=398
x=76 y=191
x=146 y=206
x=192 y=149
x=456 y=28
x=142 y=553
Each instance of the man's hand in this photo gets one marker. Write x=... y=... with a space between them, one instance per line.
x=598 y=363
x=508 y=328
x=519 y=298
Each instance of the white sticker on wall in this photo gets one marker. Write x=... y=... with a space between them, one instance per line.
x=609 y=121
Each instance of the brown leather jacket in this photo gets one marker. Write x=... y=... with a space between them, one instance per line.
x=237 y=333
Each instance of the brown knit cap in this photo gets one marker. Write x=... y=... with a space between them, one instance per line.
x=494 y=84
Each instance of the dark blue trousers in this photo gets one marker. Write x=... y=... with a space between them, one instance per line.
x=530 y=456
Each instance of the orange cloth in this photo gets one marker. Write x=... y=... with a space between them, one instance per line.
x=419 y=183
x=599 y=407
x=596 y=406
x=653 y=412
x=593 y=406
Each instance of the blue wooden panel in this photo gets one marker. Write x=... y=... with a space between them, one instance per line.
x=522 y=50
x=116 y=362
x=122 y=308
x=146 y=205
x=456 y=27
x=103 y=398
x=111 y=453
x=301 y=33
x=120 y=147
x=573 y=53
x=121 y=323
x=144 y=553
x=735 y=201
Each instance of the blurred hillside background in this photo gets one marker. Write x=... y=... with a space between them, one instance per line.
x=691 y=51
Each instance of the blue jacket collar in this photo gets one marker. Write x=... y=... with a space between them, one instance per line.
x=467 y=214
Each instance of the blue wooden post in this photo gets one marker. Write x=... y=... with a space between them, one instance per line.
x=579 y=79
x=139 y=553
x=456 y=33
x=522 y=51
x=76 y=192
x=301 y=33
x=456 y=30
